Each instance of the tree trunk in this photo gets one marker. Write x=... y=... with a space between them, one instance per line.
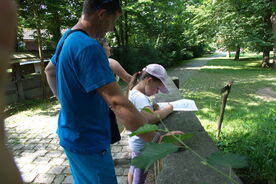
x=228 y=54
x=117 y=36
x=126 y=29
x=41 y=55
x=273 y=22
x=265 y=62
x=237 y=55
x=126 y=25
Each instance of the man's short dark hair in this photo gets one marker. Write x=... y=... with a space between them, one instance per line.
x=91 y=6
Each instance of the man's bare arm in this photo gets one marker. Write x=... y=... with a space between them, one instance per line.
x=124 y=109
x=50 y=71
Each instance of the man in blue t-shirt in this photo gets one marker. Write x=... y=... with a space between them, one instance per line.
x=80 y=76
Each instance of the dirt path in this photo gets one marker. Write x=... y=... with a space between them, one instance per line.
x=186 y=70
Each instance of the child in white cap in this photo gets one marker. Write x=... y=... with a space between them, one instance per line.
x=144 y=84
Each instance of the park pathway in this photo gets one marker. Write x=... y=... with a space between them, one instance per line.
x=34 y=143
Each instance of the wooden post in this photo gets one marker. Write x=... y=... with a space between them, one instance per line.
x=225 y=91
x=176 y=81
x=18 y=80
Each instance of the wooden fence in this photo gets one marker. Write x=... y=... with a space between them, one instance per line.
x=24 y=79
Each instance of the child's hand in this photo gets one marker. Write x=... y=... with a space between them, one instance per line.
x=156 y=107
x=172 y=133
x=169 y=107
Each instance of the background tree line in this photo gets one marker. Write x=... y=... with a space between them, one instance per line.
x=166 y=31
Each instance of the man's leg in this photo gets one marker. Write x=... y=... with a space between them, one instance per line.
x=92 y=168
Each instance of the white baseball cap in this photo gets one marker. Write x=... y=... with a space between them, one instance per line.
x=159 y=72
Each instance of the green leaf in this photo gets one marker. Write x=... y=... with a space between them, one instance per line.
x=151 y=153
x=171 y=138
x=228 y=160
x=147 y=110
x=144 y=129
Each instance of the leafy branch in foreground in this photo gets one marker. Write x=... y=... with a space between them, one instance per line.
x=153 y=152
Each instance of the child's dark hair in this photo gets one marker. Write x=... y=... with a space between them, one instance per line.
x=136 y=77
x=91 y=6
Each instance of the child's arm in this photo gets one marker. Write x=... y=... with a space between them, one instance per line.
x=152 y=118
x=119 y=70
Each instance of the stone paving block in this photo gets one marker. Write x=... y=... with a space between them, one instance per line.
x=119 y=171
x=44 y=178
x=29 y=177
x=53 y=154
x=116 y=149
x=42 y=160
x=126 y=171
x=52 y=146
x=126 y=149
x=27 y=168
x=59 y=179
x=122 y=179
x=63 y=156
x=45 y=141
x=28 y=153
x=32 y=141
x=29 y=146
x=68 y=180
x=66 y=163
x=17 y=147
x=17 y=152
x=67 y=171
x=54 y=141
x=41 y=146
x=121 y=155
x=40 y=153
x=56 y=170
x=56 y=161
x=41 y=169
x=24 y=159
x=54 y=135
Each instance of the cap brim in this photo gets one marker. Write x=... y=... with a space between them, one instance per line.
x=164 y=88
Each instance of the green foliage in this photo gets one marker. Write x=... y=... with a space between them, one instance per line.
x=175 y=138
x=161 y=31
x=227 y=160
x=151 y=153
x=249 y=120
x=135 y=59
x=144 y=129
x=48 y=15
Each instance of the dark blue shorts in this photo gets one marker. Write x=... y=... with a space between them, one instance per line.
x=96 y=168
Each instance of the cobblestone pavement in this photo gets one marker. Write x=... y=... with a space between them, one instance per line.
x=39 y=157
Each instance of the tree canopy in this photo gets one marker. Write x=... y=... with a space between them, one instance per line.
x=164 y=31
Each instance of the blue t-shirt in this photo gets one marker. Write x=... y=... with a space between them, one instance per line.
x=82 y=67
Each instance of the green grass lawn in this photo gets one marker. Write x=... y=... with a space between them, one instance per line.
x=249 y=125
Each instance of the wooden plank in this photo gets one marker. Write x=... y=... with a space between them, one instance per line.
x=10 y=88
x=31 y=83
x=27 y=69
